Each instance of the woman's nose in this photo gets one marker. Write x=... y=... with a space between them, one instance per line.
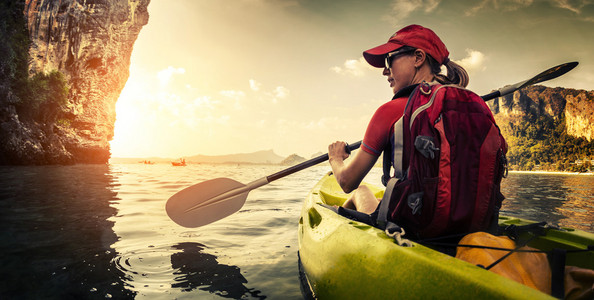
x=386 y=71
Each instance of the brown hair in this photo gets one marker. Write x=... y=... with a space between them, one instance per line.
x=455 y=73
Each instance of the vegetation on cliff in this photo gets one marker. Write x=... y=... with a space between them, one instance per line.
x=38 y=98
x=542 y=143
x=14 y=45
x=42 y=97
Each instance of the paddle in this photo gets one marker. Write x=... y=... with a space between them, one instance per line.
x=212 y=200
x=549 y=74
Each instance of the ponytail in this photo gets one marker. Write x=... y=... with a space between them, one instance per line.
x=455 y=73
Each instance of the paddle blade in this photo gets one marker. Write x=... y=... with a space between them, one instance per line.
x=551 y=73
x=194 y=206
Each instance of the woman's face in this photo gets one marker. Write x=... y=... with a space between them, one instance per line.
x=401 y=72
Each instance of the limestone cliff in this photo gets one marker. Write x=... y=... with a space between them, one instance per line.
x=576 y=106
x=90 y=43
x=547 y=128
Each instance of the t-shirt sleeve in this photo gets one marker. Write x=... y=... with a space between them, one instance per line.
x=380 y=127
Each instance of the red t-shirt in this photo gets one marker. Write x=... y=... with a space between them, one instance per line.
x=381 y=126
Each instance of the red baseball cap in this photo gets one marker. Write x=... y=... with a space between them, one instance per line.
x=415 y=36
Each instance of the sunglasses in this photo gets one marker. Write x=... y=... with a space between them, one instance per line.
x=393 y=55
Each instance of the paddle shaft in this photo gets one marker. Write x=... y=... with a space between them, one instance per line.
x=504 y=91
x=309 y=163
x=268 y=179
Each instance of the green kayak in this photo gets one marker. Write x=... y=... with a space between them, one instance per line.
x=345 y=259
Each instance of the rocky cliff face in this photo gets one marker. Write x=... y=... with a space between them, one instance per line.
x=90 y=42
x=577 y=105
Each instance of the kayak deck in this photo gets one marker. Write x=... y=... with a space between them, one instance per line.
x=345 y=259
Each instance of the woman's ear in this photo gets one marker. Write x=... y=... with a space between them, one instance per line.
x=420 y=57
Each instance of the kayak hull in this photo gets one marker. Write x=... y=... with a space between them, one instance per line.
x=345 y=259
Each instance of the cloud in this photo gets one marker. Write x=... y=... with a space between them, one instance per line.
x=165 y=75
x=353 y=67
x=473 y=62
x=273 y=3
x=574 y=6
x=499 y=5
x=577 y=7
x=254 y=85
x=203 y=102
x=322 y=123
x=235 y=95
x=401 y=9
x=473 y=10
x=201 y=112
x=281 y=92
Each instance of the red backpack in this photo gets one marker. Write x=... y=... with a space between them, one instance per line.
x=449 y=157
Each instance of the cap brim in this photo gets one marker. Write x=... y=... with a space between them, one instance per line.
x=376 y=56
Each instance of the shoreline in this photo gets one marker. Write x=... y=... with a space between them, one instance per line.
x=552 y=173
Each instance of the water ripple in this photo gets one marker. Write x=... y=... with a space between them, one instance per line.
x=151 y=262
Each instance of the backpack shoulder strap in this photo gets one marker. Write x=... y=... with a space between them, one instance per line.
x=394 y=152
x=384 y=206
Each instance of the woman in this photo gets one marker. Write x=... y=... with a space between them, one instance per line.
x=411 y=56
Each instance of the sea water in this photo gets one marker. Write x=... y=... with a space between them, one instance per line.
x=101 y=231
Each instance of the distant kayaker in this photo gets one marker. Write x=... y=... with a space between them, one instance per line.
x=411 y=56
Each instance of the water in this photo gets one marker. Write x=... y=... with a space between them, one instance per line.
x=101 y=232
x=562 y=200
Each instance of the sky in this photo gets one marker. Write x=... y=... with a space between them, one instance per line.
x=221 y=77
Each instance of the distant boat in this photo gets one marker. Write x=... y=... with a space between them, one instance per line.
x=181 y=163
x=148 y=162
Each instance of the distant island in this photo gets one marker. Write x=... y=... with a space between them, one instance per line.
x=267 y=157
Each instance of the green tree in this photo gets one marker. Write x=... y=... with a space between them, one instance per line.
x=43 y=96
x=543 y=140
x=14 y=44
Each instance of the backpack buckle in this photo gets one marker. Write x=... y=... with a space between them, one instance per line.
x=425 y=85
x=415 y=202
x=426 y=146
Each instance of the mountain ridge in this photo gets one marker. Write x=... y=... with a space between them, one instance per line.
x=257 y=157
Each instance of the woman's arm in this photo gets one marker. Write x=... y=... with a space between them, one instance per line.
x=349 y=175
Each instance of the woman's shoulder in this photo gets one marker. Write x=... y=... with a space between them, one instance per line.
x=397 y=103
x=391 y=110
x=399 y=100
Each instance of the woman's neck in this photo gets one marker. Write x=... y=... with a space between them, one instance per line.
x=423 y=74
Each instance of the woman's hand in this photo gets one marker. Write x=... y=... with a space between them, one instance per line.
x=337 y=151
x=349 y=175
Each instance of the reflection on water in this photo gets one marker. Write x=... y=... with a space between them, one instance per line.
x=565 y=200
x=203 y=271
x=80 y=232
x=56 y=239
